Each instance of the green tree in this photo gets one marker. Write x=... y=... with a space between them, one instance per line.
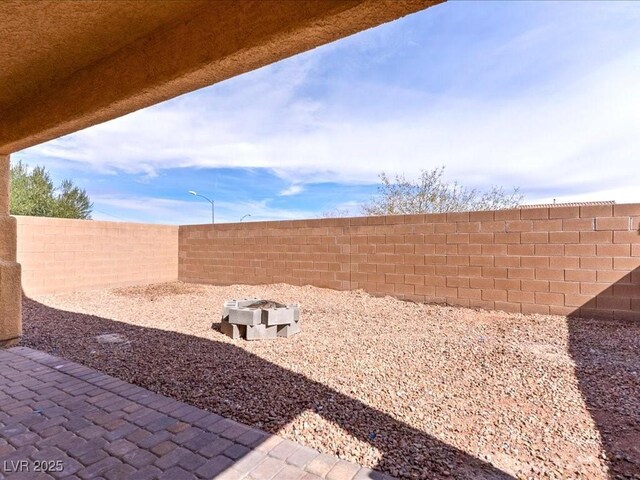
x=34 y=194
x=432 y=194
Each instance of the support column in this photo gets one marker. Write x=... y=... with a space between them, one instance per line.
x=10 y=286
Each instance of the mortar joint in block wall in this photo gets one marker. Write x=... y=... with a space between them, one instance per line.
x=256 y=319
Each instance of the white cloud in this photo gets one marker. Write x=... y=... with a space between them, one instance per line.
x=292 y=190
x=578 y=139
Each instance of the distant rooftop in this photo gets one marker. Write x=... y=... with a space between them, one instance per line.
x=573 y=204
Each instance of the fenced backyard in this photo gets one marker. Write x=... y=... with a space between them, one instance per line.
x=565 y=260
x=475 y=345
x=416 y=391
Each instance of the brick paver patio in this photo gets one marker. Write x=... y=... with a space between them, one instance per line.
x=80 y=423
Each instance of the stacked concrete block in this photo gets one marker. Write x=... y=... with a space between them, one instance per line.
x=236 y=304
x=288 y=330
x=261 y=332
x=255 y=319
x=235 y=330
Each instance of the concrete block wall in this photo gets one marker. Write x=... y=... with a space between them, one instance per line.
x=314 y=252
x=62 y=255
x=560 y=260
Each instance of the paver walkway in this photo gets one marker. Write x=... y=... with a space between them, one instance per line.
x=79 y=423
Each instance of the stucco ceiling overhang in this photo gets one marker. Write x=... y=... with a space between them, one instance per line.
x=69 y=64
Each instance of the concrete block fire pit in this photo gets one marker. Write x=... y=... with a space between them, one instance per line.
x=256 y=319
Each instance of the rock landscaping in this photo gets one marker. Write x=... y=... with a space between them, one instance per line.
x=417 y=391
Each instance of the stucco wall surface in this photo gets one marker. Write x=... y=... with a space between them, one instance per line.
x=61 y=255
x=10 y=298
x=574 y=260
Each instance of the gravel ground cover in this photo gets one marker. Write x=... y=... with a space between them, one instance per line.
x=417 y=391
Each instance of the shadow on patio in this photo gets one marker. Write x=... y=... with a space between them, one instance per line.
x=253 y=390
x=608 y=371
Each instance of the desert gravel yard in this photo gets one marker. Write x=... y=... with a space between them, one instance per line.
x=417 y=391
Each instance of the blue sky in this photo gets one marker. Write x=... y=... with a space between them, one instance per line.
x=540 y=95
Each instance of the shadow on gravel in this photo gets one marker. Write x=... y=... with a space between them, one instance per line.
x=606 y=353
x=227 y=380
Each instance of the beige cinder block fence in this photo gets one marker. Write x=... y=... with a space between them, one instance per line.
x=60 y=255
x=561 y=260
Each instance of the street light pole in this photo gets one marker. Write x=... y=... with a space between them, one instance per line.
x=213 y=211
x=245 y=216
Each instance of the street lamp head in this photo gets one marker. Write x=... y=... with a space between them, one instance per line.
x=191 y=192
